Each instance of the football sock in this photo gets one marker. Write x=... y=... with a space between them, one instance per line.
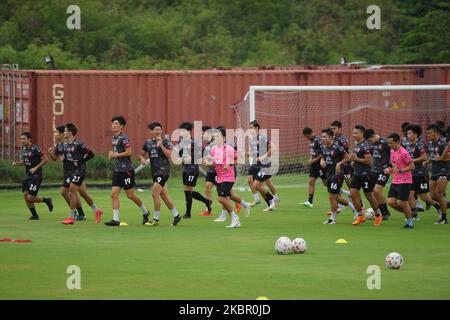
x=188 y=198
x=33 y=212
x=156 y=215
x=80 y=211
x=94 y=207
x=116 y=215
x=245 y=204
x=144 y=209
x=174 y=212
x=72 y=213
x=311 y=198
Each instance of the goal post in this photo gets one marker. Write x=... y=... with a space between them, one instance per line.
x=253 y=89
x=289 y=109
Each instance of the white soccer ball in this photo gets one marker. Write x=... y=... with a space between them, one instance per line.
x=298 y=245
x=370 y=214
x=394 y=260
x=283 y=245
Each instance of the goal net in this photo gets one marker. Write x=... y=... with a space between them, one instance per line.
x=292 y=108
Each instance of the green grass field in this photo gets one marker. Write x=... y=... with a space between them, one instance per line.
x=201 y=259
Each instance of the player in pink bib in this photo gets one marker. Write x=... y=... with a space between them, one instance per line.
x=222 y=158
x=402 y=166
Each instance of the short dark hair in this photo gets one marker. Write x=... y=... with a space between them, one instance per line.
x=394 y=136
x=27 y=134
x=369 y=133
x=222 y=130
x=336 y=124
x=434 y=127
x=72 y=128
x=206 y=128
x=440 y=124
x=60 y=129
x=415 y=129
x=153 y=125
x=328 y=131
x=186 y=125
x=405 y=125
x=255 y=124
x=119 y=119
x=448 y=131
x=307 y=130
x=360 y=128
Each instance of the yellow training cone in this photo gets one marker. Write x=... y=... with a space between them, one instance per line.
x=123 y=224
x=262 y=298
x=341 y=241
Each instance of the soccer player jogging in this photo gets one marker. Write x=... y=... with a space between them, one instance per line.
x=363 y=177
x=405 y=144
x=260 y=149
x=123 y=177
x=222 y=158
x=342 y=140
x=333 y=157
x=211 y=176
x=33 y=159
x=439 y=169
x=76 y=154
x=158 y=150
x=57 y=152
x=190 y=152
x=315 y=170
x=381 y=157
x=347 y=169
x=402 y=166
x=405 y=141
x=420 y=185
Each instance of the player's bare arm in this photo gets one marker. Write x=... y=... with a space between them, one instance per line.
x=267 y=154
x=366 y=160
x=43 y=162
x=18 y=163
x=127 y=153
x=143 y=157
x=340 y=163
x=166 y=151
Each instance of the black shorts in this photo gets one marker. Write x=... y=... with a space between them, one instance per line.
x=124 y=180
x=366 y=182
x=76 y=179
x=436 y=177
x=382 y=178
x=253 y=170
x=421 y=184
x=66 y=182
x=259 y=174
x=160 y=179
x=400 y=191
x=211 y=177
x=334 y=185
x=190 y=177
x=224 y=189
x=316 y=171
x=347 y=170
x=31 y=184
